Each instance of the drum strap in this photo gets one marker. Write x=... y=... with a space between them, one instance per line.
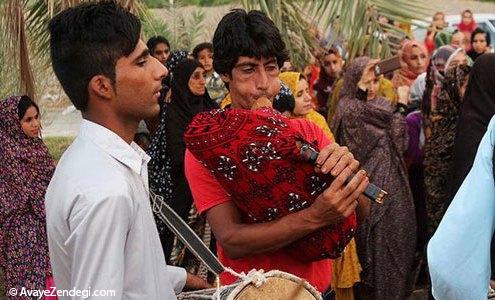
x=185 y=234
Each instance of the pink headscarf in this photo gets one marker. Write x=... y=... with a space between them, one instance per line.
x=407 y=75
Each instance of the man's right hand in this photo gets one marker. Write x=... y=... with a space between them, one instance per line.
x=339 y=200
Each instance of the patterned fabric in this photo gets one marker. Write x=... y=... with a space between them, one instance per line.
x=254 y=156
x=284 y=100
x=439 y=147
x=377 y=137
x=25 y=172
x=216 y=87
x=159 y=168
x=175 y=58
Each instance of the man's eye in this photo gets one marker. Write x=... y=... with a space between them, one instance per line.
x=248 y=70
x=141 y=63
x=271 y=68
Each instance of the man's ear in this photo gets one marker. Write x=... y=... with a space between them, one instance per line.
x=101 y=86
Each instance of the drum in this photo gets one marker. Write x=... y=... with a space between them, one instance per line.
x=276 y=285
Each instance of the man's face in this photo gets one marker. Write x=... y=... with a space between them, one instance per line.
x=137 y=84
x=205 y=57
x=333 y=65
x=252 y=78
x=161 y=52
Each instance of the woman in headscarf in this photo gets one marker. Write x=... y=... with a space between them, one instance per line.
x=188 y=97
x=434 y=77
x=174 y=58
x=467 y=24
x=414 y=59
x=480 y=43
x=375 y=133
x=346 y=269
x=438 y=148
x=299 y=87
x=476 y=111
x=26 y=169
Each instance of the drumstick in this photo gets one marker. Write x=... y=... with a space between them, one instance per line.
x=372 y=191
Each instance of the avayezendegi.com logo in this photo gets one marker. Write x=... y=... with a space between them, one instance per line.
x=52 y=292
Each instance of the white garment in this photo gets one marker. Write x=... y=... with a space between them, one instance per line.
x=101 y=231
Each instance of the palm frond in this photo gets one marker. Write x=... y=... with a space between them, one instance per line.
x=355 y=20
x=25 y=39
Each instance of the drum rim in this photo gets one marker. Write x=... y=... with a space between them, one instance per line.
x=276 y=273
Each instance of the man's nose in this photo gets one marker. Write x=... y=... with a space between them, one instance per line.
x=262 y=80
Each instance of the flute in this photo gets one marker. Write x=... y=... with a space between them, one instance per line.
x=372 y=191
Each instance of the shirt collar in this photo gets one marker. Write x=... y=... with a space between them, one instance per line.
x=130 y=155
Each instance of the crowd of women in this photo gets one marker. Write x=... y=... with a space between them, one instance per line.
x=415 y=132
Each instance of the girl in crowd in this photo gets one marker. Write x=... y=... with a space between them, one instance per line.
x=438 y=148
x=480 y=43
x=414 y=62
x=438 y=24
x=375 y=133
x=299 y=87
x=467 y=24
x=188 y=97
x=26 y=168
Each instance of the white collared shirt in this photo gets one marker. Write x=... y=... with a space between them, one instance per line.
x=101 y=231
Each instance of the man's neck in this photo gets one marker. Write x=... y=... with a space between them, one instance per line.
x=125 y=130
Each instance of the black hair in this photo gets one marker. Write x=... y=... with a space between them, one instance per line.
x=87 y=40
x=154 y=41
x=200 y=48
x=250 y=34
x=23 y=106
x=478 y=31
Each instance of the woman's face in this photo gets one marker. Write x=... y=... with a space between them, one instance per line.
x=303 y=99
x=197 y=82
x=459 y=59
x=439 y=20
x=373 y=87
x=467 y=18
x=417 y=60
x=479 y=43
x=30 y=122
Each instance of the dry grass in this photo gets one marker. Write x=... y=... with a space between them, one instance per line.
x=57 y=145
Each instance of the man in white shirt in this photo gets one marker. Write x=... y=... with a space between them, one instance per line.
x=101 y=232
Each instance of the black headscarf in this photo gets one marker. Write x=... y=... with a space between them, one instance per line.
x=183 y=107
x=477 y=109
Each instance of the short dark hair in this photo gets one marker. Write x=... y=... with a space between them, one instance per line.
x=87 y=40
x=478 y=31
x=155 y=40
x=242 y=33
x=24 y=103
x=201 y=47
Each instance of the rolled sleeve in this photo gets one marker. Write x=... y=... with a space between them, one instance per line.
x=177 y=277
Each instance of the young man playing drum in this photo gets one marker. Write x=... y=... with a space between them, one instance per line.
x=248 y=54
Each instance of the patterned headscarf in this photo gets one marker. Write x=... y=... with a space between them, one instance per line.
x=175 y=58
x=291 y=79
x=26 y=167
x=352 y=76
x=284 y=100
